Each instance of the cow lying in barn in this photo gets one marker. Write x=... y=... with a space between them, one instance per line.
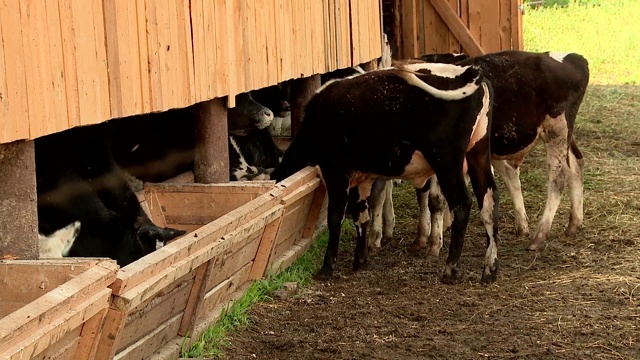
x=407 y=123
x=153 y=147
x=78 y=181
x=537 y=97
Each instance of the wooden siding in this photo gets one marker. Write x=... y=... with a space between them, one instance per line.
x=67 y=63
x=441 y=26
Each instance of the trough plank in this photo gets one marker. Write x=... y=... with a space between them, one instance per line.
x=221 y=293
x=317 y=204
x=265 y=249
x=301 y=192
x=143 y=321
x=287 y=258
x=90 y=335
x=151 y=342
x=33 y=343
x=227 y=264
x=18 y=325
x=152 y=264
x=65 y=348
x=148 y=288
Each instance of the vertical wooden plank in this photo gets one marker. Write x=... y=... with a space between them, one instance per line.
x=409 y=29
x=199 y=56
x=37 y=67
x=295 y=38
x=265 y=249
x=184 y=52
x=490 y=25
x=271 y=29
x=221 y=49
x=375 y=28
x=143 y=51
x=215 y=72
x=454 y=44
x=504 y=30
x=326 y=29
x=113 y=324
x=464 y=13
x=99 y=72
x=475 y=16
x=59 y=94
x=311 y=47
x=155 y=53
x=517 y=42
x=248 y=31
x=195 y=298
x=234 y=21
x=261 y=10
x=90 y=336
x=353 y=33
x=15 y=113
x=363 y=30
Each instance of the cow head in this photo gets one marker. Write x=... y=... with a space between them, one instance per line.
x=247 y=116
x=275 y=97
x=152 y=237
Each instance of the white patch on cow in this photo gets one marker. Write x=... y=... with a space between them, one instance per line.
x=324 y=86
x=243 y=171
x=359 y=69
x=135 y=147
x=439 y=69
x=59 y=243
x=455 y=94
x=417 y=171
x=486 y=214
x=159 y=244
x=558 y=56
x=511 y=178
x=481 y=127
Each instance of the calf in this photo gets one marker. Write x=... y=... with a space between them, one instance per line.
x=77 y=180
x=408 y=123
x=537 y=97
x=158 y=146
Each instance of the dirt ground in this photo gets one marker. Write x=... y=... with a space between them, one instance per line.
x=578 y=298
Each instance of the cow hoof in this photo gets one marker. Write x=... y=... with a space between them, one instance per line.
x=535 y=245
x=490 y=275
x=432 y=259
x=323 y=275
x=360 y=264
x=374 y=250
x=417 y=247
x=522 y=232
x=571 y=230
x=450 y=275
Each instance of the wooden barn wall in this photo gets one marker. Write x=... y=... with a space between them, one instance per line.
x=436 y=26
x=67 y=62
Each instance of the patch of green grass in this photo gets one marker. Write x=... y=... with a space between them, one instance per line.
x=604 y=32
x=213 y=341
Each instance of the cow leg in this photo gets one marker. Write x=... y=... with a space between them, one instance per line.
x=338 y=194
x=424 y=219
x=377 y=200
x=438 y=208
x=510 y=173
x=576 y=177
x=388 y=215
x=359 y=208
x=486 y=191
x=455 y=192
x=554 y=134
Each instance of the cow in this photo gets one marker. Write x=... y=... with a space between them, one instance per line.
x=537 y=97
x=91 y=184
x=409 y=123
x=159 y=146
x=77 y=180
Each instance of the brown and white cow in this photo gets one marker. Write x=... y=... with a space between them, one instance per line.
x=405 y=123
x=537 y=97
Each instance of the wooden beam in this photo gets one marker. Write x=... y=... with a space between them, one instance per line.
x=211 y=156
x=18 y=213
x=457 y=27
x=410 y=43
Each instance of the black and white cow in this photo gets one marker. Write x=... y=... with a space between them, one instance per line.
x=537 y=97
x=80 y=187
x=408 y=123
x=85 y=203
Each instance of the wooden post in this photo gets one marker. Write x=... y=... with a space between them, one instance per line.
x=18 y=207
x=302 y=90
x=211 y=158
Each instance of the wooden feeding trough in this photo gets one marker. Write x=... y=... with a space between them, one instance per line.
x=238 y=232
x=53 y=309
